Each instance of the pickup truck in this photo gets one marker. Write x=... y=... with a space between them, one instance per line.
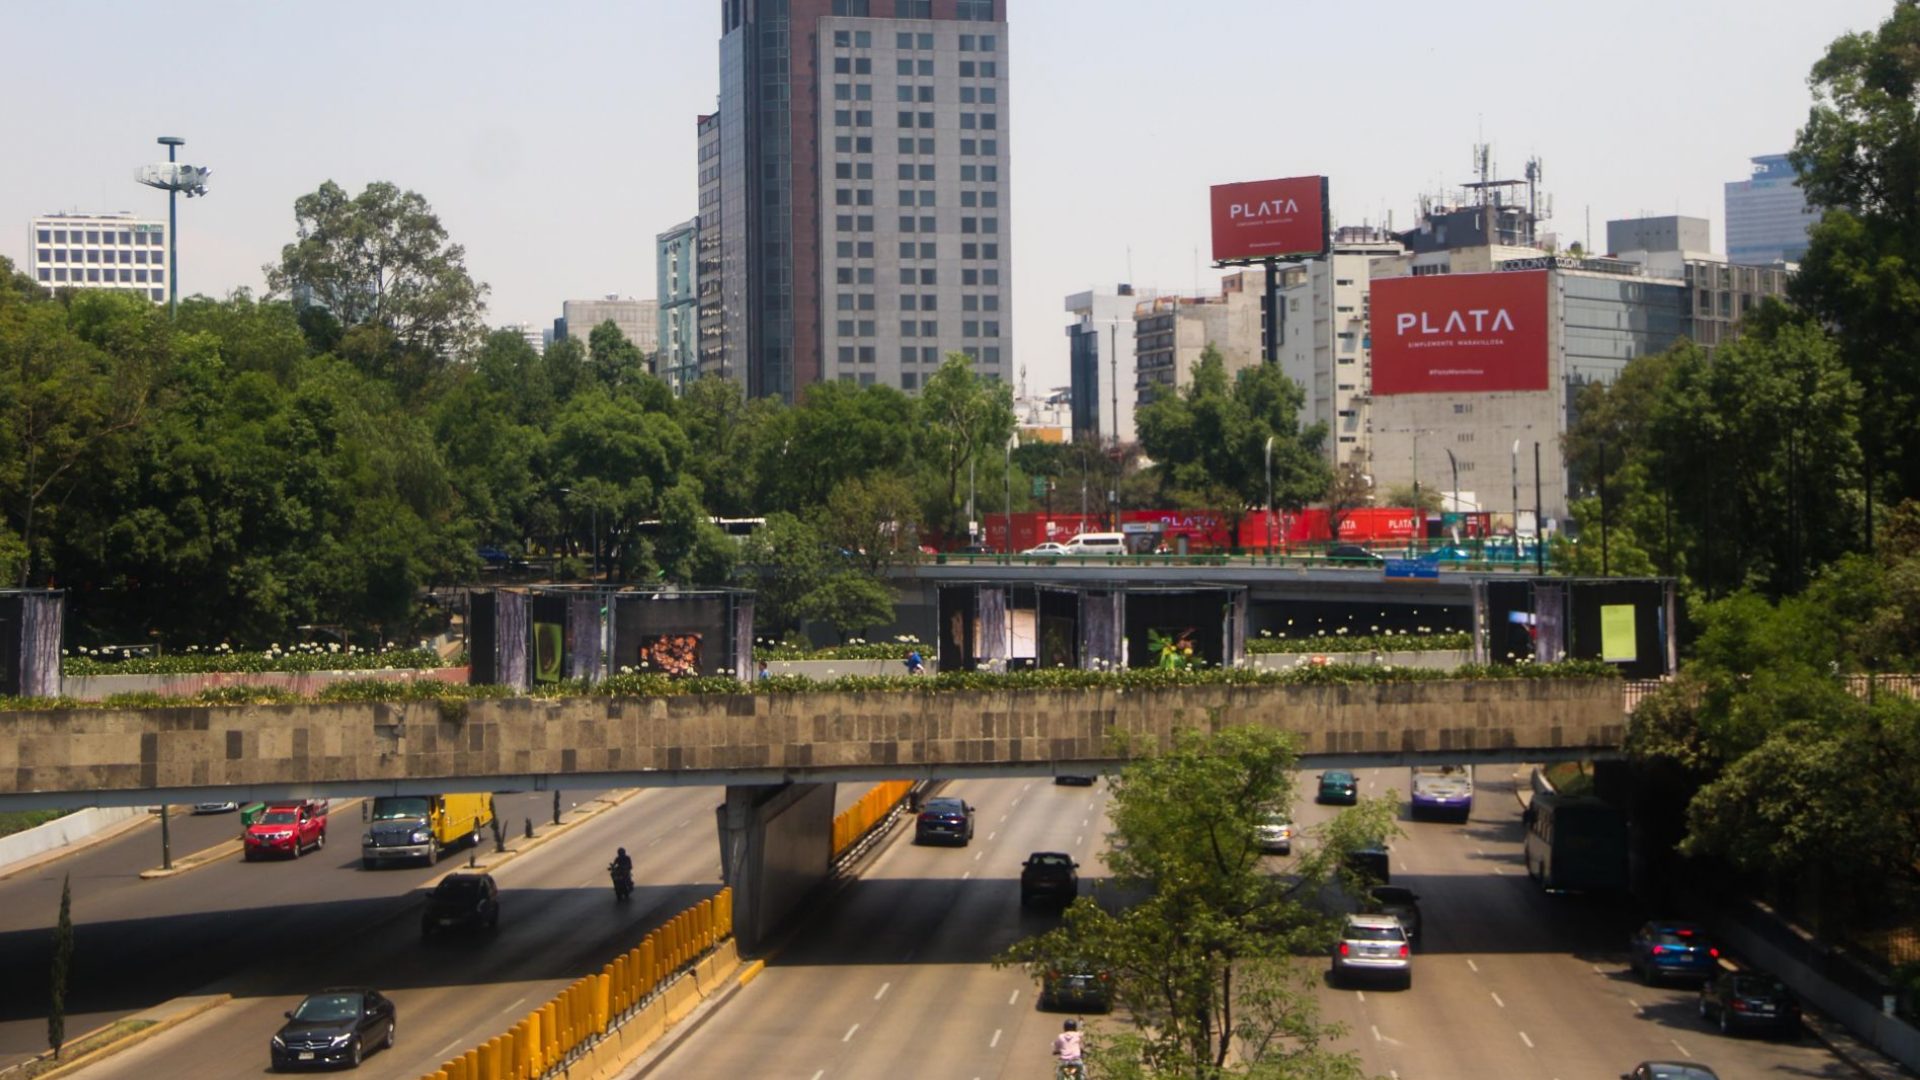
x=286 y=829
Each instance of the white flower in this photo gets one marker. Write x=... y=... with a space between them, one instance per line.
x=1375 y=628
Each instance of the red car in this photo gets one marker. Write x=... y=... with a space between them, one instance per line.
x=287 y=829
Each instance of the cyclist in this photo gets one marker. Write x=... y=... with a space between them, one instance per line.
x=1066 y=1047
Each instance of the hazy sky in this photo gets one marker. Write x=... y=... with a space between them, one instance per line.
x=555 y=139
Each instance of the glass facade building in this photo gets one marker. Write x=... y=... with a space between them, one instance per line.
x=1767 y=215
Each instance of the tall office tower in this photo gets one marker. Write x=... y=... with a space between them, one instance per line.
x=677 y=350
x=99 y=251
x=1767 y=216
x=712 y=346
x=863 y=180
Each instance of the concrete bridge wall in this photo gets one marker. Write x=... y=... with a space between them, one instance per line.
x=103 y=756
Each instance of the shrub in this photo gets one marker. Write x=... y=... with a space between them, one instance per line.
x=307 y=657
x=1387 y=641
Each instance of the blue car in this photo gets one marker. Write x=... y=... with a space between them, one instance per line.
x=1672 y=950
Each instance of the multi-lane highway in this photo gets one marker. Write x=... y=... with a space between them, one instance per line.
x=269 y=932
x=894 y=978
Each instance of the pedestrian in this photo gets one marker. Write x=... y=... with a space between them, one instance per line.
x=764 y=673
x=915 y=665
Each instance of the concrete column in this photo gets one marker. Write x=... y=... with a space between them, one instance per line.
x=776 y=847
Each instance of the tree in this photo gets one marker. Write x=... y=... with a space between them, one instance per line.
x=382 y=259
x=62 y=965
x=849 y=602
x=723 y=429
x=784 y=562
x=1207 y=961
x=837 y=433
x=1347 y=490
x=964 y=418
x=1210 y=441
x=616 y=361
x=77 y=383
x=690 y=548
x=1426 y=499
x=1859 y=163
x=872 y=523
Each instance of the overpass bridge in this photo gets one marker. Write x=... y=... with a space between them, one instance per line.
x=777 y=754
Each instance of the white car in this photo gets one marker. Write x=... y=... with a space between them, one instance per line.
x=1048 y=548
x=1274 y=834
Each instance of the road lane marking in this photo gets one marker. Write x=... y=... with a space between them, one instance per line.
x=1497 y=1001
x=818 y=1075
x=1083 y=822
x=1003 y=819
x=1682 y=1049
x=1499 y=869
x=449 y=1048
x=966 y=875
x=1362 y=995
x=1637 y=1007
x=1376 y=1032
x=1014 y=998
x=1597 y=971
x=1079 y=839
x=1524 y=1039
x=848 y=1037
x=1474 y=966
x=686 y=823
x=990 y=836
x=995 y=1041
x=977 y=854
x=1479 y=851
x=882 y=992
x=1015 y=802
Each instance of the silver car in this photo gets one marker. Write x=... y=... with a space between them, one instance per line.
x=1274 y=834
x=1373 y=946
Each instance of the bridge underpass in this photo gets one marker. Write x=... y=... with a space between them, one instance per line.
x=778 y=754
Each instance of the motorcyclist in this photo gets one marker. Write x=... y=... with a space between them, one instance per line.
x=1066 y=1047
x=622 y=866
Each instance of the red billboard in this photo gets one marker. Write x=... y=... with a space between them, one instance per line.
x=1270 y=219
x=1459 y=333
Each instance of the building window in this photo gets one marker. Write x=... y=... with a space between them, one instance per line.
x=966 y=42
x=46 y=274
x=966 y=69
x=866 y=327
x=913 y=9
x=45 y=236
x=929 y=328
x=974 y=10
x=1462 y=408
x=909 y=380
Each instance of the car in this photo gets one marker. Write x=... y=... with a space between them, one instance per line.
x=333 y=1027
x=946 y=819
x=1354 y=555
x=1375 y=947
x=215 y=807
x=1371 y=864
x=975 y=549
x=1670 y=1070
x=462 y=901
x=1274 y=834
x=289 y=829
x=1077 y=779
x=1452 y=553
x=1400 y=902
x=1338 y=786
x=494 y=558
x=1077 y=986
x=1050 y=547
x=1747 y=1000
x=1667 y=949
x=1050 y=877
x=1097 y=544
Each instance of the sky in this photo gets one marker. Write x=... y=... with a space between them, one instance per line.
x=556 y=139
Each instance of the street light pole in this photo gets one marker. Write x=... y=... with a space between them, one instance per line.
x=174 y=178
x=1270 y=496
x=1012 y=442
x=1516 y=501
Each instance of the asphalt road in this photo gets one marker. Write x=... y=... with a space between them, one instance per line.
x=895 y=977
x=269 y=932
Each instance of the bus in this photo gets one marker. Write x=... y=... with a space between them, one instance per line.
x=1575 y=843
x=1444 y=791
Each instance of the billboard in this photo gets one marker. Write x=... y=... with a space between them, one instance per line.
x=1459 y=333
x=1269 y=219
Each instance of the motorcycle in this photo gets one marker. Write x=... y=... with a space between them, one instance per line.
x=622 y=881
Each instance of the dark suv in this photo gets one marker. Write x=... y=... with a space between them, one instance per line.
x=945 y=819
x=1743 y=1000
x=1672 y=950
x=1049 y=877
x=462 y=901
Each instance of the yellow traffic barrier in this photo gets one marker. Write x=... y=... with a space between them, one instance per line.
x=536 y=1056
x=602 y=994
x=550 y=1034
x=490 y=1060
x=472 y=1063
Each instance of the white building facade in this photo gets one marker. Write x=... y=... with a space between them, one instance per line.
x=1101 y=364
x=99 y=251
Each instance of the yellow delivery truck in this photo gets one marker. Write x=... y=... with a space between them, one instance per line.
x=417 y=828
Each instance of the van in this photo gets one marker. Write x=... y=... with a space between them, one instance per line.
x=420 y=827
x=1097 y=544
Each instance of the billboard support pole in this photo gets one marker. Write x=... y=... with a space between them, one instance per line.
x=1276 y=320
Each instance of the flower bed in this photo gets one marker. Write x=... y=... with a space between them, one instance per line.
x=654 y=685
x=222 y=658
x=1340 y=641
x=854 y=649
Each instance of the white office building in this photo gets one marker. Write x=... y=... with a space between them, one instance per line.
x=1324 y=342
x=1101 y=364
x=99 y=251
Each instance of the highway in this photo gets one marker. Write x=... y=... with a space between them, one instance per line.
x=269 y=932
x=894 y=977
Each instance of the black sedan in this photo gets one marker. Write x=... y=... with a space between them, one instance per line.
x=334 y=1027
x=462 y=901
x=1749 y=1000
x=945 y=819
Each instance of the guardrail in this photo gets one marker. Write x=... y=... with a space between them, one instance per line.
x=637 y=986
x=875 y=809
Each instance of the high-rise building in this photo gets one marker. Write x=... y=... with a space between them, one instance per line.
x=639 y=320
x=534 y=336
x=1100 y=362
x=1324 y=340
x=1719 y=292
x=863 y=179
x=712 y=346
x=99 y=251
x=1172 y=332
x=677 y=349
x=1767 y=215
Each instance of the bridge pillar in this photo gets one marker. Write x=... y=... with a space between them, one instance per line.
x=776 y=847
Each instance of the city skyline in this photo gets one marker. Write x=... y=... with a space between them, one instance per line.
x=556 y=164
